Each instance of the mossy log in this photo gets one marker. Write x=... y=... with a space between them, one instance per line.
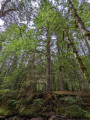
x=71 y=93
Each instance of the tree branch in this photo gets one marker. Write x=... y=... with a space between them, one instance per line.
x=3 y=5
x=9 y=10
x=2 y=12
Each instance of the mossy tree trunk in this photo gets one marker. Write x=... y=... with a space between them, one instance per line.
x=78 y=59
x=81 y=25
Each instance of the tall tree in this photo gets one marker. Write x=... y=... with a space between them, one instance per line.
x=60 y=67
x=45 y=27
x=81 y=25
x=78 y=59
x=48 y=69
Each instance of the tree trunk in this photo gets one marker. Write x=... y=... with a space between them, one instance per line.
x=78 y=59
x=79 y=80
x=48 y=69
x=81 y=25
x=60 y=67
x=61 y=79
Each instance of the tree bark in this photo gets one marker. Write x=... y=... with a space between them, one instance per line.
x=61 y=79
x=81 y=25
x=48 y=69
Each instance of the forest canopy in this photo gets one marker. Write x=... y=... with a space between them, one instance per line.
x=45 y=45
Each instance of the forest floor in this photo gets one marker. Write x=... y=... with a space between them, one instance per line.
x=57 y=105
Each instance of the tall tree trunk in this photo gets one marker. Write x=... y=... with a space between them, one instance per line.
x=60 y=67
x=48 y=69
x=81 y=25
x=78 y=59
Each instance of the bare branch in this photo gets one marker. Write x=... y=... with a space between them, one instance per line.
x=9 y=10
x=3 y=5
x=2 y=12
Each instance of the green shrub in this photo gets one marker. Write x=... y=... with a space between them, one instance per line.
x=69 y=99
x=75 y=111
x=4 y=111
x=27 y=112
x=4 y=91
x=61 y=111
x=13 y=102
x=37 y=102
x=87 y=114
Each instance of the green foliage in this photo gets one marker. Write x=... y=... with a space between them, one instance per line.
x=23 y=57
x=69 y=99
x=23 y=50
x=4 y=112
x=3 y=93
x=61 y=111
x=37 y=102
x=12 y=103
x=84 y=13
x=87 y=115
x=28 y=112
x=76 y=3
x=75 y=111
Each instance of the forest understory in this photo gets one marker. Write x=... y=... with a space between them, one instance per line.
x=58 y=105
